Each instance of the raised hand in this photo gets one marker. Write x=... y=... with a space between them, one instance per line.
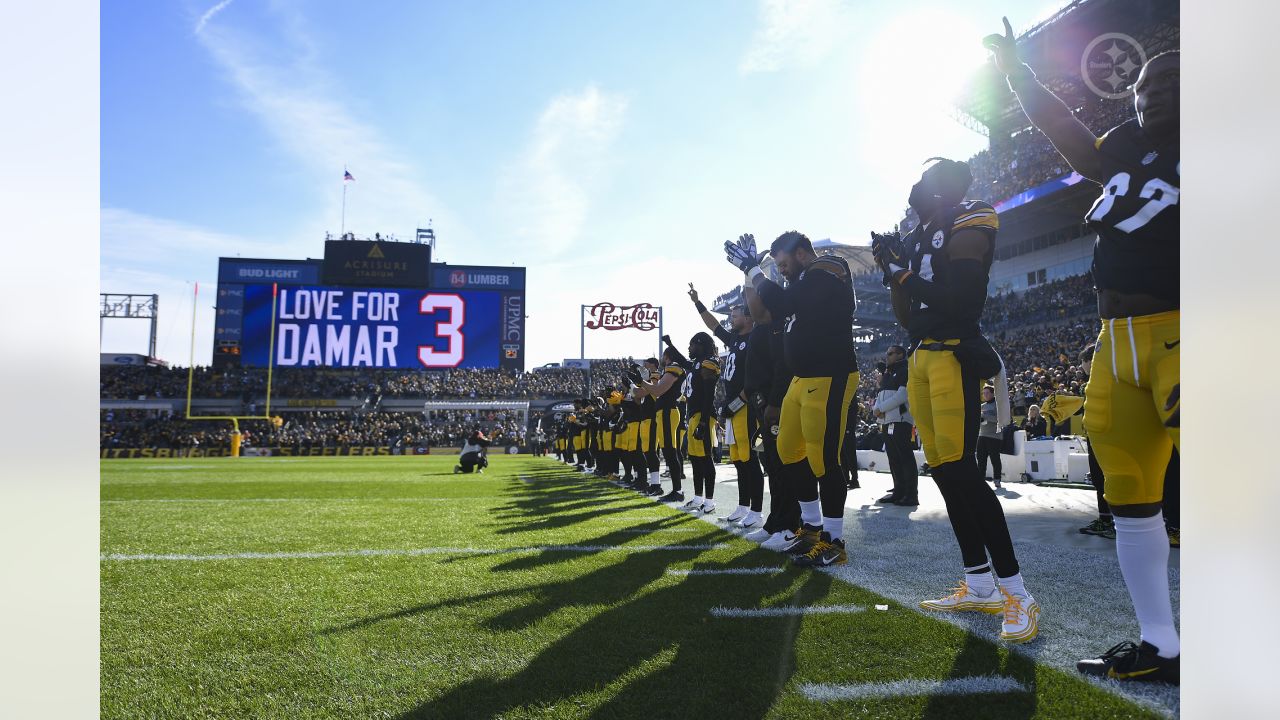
x=741 y=257
x=1004 y=49
x=693 y=294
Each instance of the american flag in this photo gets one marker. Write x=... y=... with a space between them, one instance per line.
x=347 y=177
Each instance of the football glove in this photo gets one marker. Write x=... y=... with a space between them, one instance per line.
x=742 y=258
x=748 y=242
x=890 y=253
x=698 y=432
x=634 y=376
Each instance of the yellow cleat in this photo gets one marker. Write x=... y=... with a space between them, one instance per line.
x=964 y=600
x=1021 y=618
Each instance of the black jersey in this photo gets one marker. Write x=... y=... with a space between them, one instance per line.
x=667 y=400
x=759 y=360
x=735 y=370
x=818 y=310
x=648 y=408
x=928 y=244
x=702 y=396
x=1136 y=216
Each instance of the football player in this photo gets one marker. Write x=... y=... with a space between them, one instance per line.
x=704 y=371
x=740 y=418
x=938 y=279
x=1131 y=400
x=817 y=304
x=647 y=440
x=666 y=391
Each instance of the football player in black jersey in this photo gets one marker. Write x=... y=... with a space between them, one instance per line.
x=739 y=416
x=938 y=279
x=1131 y=400
x=817 y=305
x=665 y=390
x=767 y=381
x=704 y=371
x=647 y=439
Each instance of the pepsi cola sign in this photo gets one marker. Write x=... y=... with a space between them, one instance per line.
x=607 y=316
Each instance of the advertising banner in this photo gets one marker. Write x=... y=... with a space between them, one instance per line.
x=477 y=277
x=376 y=263
x=284 y=272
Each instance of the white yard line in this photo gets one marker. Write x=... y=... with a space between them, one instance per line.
x=729 y=571
x=824 y=692
x=785 y=611
x=119 y=557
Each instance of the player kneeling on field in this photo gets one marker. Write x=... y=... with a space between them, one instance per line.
x=474 y=454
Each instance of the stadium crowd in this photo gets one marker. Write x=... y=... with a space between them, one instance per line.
x=321 y=428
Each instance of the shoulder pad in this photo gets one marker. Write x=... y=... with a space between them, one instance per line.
x=975 y=214
x=832 y=264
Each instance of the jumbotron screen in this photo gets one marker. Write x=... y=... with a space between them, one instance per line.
x=330 y=326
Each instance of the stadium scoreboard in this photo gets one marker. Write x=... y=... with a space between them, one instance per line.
x=369 y=304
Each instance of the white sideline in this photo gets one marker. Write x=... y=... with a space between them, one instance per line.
x=408 y=553
x=646 y=531
x=978 y=684
x=297 y=499
x=785 y=611
x=729 y=571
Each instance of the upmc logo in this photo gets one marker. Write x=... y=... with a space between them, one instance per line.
x=512 y=318
x=458 y=278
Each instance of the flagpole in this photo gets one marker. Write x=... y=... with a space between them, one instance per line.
x=344 y=203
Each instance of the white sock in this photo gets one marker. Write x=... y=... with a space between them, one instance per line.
x=1142 y=546
x=743 y=509
x=1013 y=585
x=697 y=499
x=980 y=580
x=811 y=512
x=654 y=478
x=834 y=527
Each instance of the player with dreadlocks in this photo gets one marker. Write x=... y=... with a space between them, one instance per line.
x=704 y=371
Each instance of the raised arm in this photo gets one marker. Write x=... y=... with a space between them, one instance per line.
x=1076 y=143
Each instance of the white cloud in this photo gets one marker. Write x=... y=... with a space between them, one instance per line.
x=149 y=255
x=547 y=191
x=208 y=15
x=297 y=102
x=793 y=33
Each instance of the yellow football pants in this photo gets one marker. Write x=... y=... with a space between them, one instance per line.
x=647 y=439
x=702 y=448
x=668 y=428
x=814 y=413
x=937 y=401
x=1135 y=366
x=742 y=426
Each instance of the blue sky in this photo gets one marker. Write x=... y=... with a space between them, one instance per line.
x=609 y=147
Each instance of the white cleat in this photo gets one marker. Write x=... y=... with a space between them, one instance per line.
x=1021 y=617
x=751 y=520
x=962 y=599
x=692 y=505
x=778 y=541
x=758 y=535
x=708 y=507
x=734 y=516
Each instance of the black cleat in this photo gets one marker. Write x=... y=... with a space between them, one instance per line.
x=907 y=501
x=1127 y=661
x=806 y=537
x=889 y=499
x=653 y=491
x=824 y=553
x=673 y=496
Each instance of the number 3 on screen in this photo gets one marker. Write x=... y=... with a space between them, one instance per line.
x=452 y=330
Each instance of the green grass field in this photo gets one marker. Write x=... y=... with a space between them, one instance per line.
x=296 y=623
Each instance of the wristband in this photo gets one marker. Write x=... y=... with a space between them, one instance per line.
x=902 y=280
x=753 y=273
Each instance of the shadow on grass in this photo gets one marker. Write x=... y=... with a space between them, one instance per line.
x=979 y=656
x=650 y=654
